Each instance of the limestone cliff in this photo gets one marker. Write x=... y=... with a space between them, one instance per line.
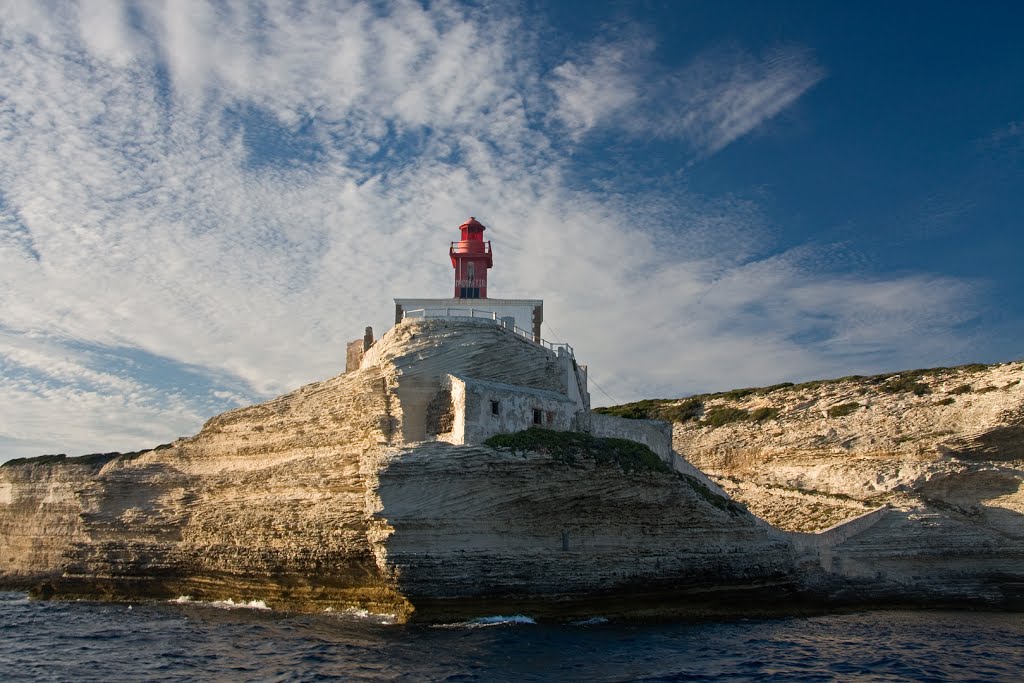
x=316 y=500
x=942 y=449
x=347 y=494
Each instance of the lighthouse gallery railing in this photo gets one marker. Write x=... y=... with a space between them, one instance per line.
x=454 y=312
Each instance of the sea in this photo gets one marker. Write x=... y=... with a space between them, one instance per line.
x=184 y=640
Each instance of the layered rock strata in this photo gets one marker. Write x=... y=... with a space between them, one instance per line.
x=942 y=450
x=316 y=500
x=329 y=498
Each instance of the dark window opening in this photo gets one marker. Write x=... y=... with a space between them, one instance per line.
x=536 y=416
x=494 y=407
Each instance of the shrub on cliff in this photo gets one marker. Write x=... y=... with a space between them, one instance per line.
x=640 y=410
x=681 y=412
x=567 y=446
x=92 y=459
x=656 y=409
x=762 y=414
x=843 y=409
x=906 y=383
x=723 y=415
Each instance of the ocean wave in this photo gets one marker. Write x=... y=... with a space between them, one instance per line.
x=592 y=621
x=221 y=604
x=496 y=620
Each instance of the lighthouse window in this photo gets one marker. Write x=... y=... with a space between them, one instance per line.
x=536 y=416
x=494 y=407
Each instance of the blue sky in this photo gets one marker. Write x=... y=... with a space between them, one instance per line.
x=200 y=203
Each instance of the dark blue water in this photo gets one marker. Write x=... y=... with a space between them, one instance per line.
x=55 y=641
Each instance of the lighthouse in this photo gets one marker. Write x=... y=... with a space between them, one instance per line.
x=471 y=258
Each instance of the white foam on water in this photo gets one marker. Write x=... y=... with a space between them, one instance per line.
x=358 y=614
x=221 y=604
x=592 y=621
x=497 y=620
x=231 y=604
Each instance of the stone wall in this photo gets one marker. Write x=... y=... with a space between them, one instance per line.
x=417 y=354
x=655 y=434
x=353 y=355
x=488 y=408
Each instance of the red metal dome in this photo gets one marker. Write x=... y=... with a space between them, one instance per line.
x=472 y=226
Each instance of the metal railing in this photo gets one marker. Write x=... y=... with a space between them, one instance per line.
x=480 y=314
x=459 y=250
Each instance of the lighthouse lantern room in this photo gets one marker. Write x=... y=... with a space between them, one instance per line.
x=471 y=257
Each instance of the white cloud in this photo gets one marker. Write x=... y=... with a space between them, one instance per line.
x=201 y=205
x=709 y=102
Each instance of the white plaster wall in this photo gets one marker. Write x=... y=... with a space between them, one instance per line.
x=520 y=309
x=515 y=408
x=575 y=381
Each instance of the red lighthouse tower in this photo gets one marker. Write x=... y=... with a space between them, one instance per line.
x=471 y=257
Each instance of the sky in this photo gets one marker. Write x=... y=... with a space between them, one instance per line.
x=202 y=202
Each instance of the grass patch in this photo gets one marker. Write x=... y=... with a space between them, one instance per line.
x=723 y=415
x=762 y=414
x=962 y=389
x=567 y=446
x=843 y=409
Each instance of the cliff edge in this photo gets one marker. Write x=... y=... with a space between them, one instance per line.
x=386 y=489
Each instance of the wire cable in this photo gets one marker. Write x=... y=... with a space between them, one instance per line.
x=590 y=377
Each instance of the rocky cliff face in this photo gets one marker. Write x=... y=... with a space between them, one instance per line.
x=807 y=456
x=315 y=500
x=320 y=500
x=943 y=449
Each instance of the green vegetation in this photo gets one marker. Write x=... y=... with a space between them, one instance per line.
x=906 y=384
x=640 y=410
x=949 y=400
x=843 y=409
x=567 y=446
x=762 y=414
x=686 y=410
x=962 y=389
x=723 y=415
x=92 y=460
x=690 y=408
x=656 y=409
